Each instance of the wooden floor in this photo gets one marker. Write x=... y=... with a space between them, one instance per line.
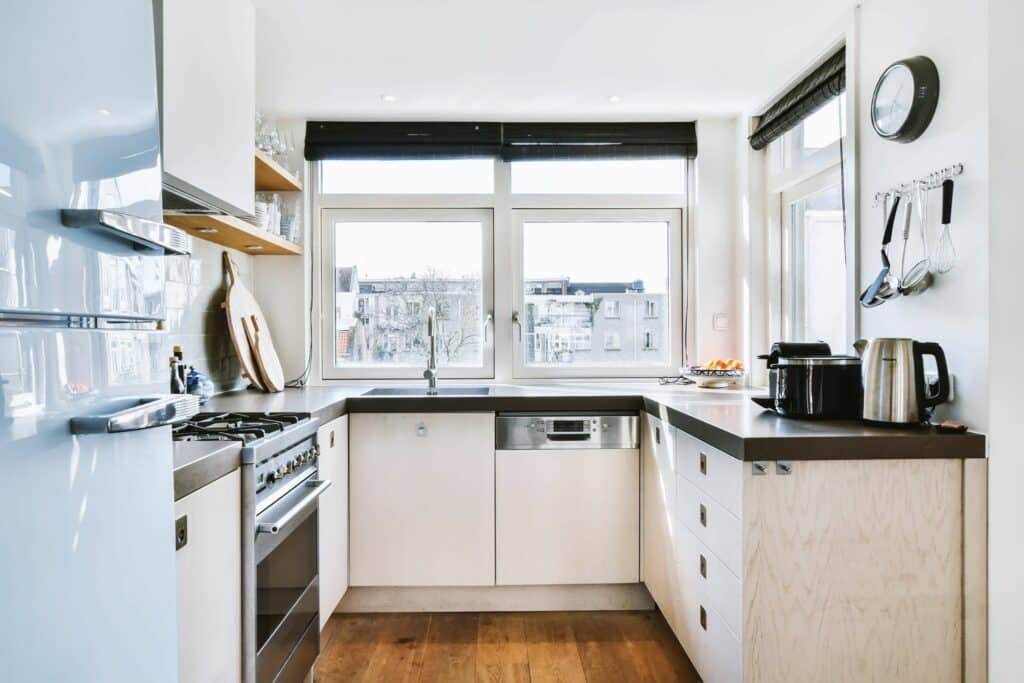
x=591 y=647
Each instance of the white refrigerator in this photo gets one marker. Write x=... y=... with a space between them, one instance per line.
x=87 y=584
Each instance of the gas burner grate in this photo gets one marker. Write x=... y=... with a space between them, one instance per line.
x=231 y=426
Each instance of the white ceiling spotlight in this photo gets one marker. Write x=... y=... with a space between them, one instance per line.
x=389 y=99
x=614 y=99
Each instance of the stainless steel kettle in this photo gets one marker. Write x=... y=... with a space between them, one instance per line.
x=894 y=383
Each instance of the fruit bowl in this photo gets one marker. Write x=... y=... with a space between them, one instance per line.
x=713 y=378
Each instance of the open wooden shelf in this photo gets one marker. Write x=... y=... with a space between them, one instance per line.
x=272 y=177
x=233 y=232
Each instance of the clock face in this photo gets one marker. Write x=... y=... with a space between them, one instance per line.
x=893 y=100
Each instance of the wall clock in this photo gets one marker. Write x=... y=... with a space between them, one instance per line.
x=905 y=99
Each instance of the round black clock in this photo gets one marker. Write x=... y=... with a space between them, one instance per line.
x=905 y=99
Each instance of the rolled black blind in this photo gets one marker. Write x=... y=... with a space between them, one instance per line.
x=525 y=141
x=807 y=97
x=401 y=140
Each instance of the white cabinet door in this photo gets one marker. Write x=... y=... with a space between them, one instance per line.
x=568 y=516
x=658 y=502
x=421 y=499
x=209 y=97
x=209 y=568
x=333 y=515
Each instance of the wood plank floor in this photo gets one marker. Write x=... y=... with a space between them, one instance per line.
x=537 y=647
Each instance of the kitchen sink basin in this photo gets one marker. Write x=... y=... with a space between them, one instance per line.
x=423 y=391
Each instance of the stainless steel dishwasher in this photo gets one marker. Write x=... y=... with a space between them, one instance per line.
x=567 y=498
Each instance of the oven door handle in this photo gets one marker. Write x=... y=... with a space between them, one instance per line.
x=316 y=487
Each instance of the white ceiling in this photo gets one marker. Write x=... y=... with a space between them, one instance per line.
x=533 y=59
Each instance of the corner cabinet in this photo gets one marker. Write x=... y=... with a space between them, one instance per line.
x=208 y=101
x=209 y=568
x=422 y=499
x=806 y=570
x=333 y=516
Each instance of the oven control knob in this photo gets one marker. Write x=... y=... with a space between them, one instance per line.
x=271 y=477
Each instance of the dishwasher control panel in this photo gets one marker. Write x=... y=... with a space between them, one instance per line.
x=531 y=431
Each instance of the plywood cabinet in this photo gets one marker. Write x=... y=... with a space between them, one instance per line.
x=422 y=499
x=209 y=569
x=812 y=571
x=333 y=515
x=208 y=100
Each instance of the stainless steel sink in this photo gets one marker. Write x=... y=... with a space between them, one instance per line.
x=422 y=391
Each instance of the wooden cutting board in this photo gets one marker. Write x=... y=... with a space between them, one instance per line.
x=263 y=352
x=241 y=305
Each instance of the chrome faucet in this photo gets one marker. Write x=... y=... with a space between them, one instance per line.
x=430 y=374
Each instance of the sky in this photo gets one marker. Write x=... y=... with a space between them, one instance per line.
x=594 y=251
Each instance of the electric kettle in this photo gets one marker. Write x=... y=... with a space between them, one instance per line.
x=895 y=390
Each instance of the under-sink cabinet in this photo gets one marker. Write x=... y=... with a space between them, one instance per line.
x=421 y=499
x=811 y=570
x=332 y=530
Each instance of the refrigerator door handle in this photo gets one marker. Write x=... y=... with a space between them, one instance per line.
x=143 y=232
x=145 y=413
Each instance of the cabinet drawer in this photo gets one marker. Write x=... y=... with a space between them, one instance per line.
x=713 y=525
x=713 y=582
x=715 y=473
x=716 y=653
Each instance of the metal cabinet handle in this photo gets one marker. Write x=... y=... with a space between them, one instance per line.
x=146 y=413
x=704 y=464
x=142 y=232
x=703 y=515
x=703 y=566
x=657 y=435
x=703 y=618
x=316 y=487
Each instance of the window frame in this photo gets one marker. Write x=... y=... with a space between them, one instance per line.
x=329 y=216
x=674 y=219
x=501 y=205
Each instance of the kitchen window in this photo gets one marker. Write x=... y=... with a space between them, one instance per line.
x=585 y=264
x=629 y=261
x=385 y=269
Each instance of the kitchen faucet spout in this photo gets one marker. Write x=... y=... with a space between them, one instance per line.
x=430 y=374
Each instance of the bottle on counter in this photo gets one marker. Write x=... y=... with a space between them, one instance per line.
x=177 y=385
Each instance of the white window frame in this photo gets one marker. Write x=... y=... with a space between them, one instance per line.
x=674 y=219
x=328 y=218
x=501 y=205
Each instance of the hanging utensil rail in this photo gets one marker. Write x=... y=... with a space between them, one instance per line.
x=929 y=182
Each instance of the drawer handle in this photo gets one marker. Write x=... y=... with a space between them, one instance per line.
x=657 y=435
x=703 y=566
x=703 y=618
x=704 y=464
x=703 y=515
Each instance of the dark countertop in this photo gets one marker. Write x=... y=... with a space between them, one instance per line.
x=725 y=418
x=198 y=463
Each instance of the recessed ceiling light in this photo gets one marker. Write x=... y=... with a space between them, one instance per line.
x=614 y=99
x=103 y=112
x=390 y=99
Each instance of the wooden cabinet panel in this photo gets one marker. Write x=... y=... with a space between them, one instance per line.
x=209 y=569
x=567 y=517
x=208 y=100
x=333 y=515
x=421 y=499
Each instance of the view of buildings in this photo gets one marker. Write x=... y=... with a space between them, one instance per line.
x=383 y=320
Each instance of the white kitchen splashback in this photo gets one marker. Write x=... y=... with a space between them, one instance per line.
x=194 y=292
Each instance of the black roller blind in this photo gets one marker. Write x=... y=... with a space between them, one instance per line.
x=526 y=141
x=807 y=97
x=401 y=140
x=511 y=141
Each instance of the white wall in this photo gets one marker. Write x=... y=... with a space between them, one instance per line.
x=955 y=311
x=1006 y=338
x=715 y=221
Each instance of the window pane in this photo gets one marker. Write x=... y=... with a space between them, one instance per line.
x=612 y=176
x=388 y=274
x=419 y=176
x=819 y=130
x=817 y=296
x=596 y=293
